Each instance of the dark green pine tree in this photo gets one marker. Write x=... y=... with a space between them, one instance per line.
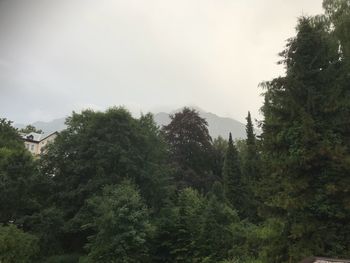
x=304 y=151
x=338 y=13
x=250 y=171
x=251 y=139
x=233 y=187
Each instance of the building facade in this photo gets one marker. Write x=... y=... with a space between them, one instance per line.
x=36 y=142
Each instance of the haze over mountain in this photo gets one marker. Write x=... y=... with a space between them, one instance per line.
x=218 y=126
x=46 y=127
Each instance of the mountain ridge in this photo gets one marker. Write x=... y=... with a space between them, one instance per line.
x=218 y=126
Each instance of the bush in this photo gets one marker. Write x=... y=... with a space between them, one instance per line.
x=64 y=258
x=17 y=246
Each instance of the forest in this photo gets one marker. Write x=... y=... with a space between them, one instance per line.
x=114 y=188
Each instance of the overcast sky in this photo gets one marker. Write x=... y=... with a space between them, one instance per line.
x=149 y=55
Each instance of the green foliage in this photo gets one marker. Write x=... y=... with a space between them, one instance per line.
x=338 y=12
x=122 y=226
x=220 y=223
x=188 y=225
x=164 y=240
x=269 y=235
x=251 y=172
x=17 y=246
x=305 y=149
x=18 y=176
x=99 y=149
x=104 y=148
x=191 y=149
x=65 y=258
x=30 y=128
x=17 y=179
x=157 y=174
x=233 y=186
x=47 y=224
x=9 y=138
x=219 y=152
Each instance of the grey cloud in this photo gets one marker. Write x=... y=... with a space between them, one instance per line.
x=58 y=56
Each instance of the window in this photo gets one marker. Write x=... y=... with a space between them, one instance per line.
x=32 y=147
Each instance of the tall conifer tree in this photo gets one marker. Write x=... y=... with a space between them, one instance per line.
x=250 y=170
x=251 y=140
x=232 y=177
x=304 y=156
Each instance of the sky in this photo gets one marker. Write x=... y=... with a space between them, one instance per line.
x=146 y=55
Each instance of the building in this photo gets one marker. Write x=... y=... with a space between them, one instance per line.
x=35 y=142
x=324 y=260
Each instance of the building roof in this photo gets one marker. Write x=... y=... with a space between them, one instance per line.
x=324 y=260
x=35 y=137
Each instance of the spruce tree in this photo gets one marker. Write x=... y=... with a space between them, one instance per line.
x=232 y=177
x=250 y=170
x=304 y=151
x=251 y=139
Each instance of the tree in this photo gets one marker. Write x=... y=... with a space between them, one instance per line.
x=233 y=187
x=122 y=226
x=219 y=152
x=191 y=149
x=305 y=178
x=22 y=193
x=165 y=238
x=18 y=175
x=9 y=138
x=17 y=246
x=188 y=226
x=220 y=223
x=251 y=139
x=157 y=175
x=337 y=11
x=99 y=149
x=46 y=224
x=30 y=128
x=250 y=171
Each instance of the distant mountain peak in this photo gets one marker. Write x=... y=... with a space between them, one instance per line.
x=218 y=126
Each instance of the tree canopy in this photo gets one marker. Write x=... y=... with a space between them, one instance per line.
x=191 y=149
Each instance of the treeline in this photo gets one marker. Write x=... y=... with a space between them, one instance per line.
x=113 y=188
